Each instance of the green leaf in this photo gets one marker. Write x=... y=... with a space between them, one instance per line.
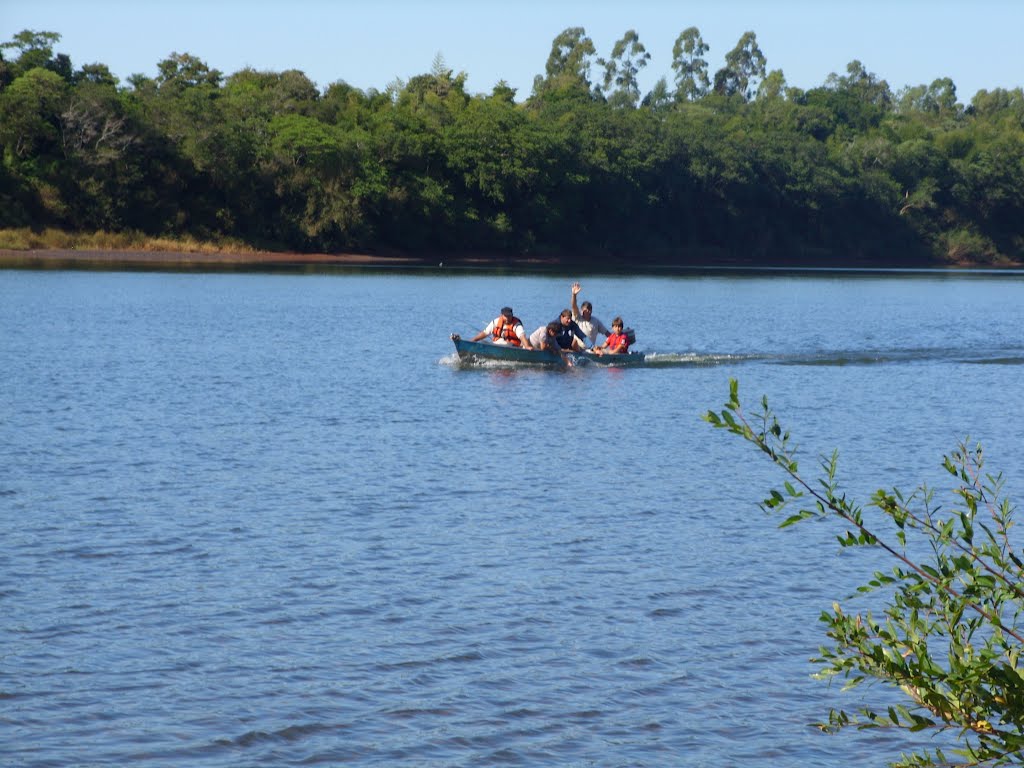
x=798 y=517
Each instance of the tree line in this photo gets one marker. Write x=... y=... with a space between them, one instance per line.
x=731 y=164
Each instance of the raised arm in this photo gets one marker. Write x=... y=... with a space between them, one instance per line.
x=575 y=306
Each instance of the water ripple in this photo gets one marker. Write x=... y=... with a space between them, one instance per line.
x=231 y=534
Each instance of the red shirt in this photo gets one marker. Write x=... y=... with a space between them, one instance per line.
x=616 y=339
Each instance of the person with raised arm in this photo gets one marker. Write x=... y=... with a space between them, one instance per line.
x=583 y=315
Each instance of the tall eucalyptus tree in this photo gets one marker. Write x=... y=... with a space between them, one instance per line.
x=688 y=62
x=568 y=65
x=744 y=69
x=621 y=87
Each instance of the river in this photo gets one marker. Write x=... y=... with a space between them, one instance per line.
x=269 y=519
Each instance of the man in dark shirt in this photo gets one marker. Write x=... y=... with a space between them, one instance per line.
x=569 y=336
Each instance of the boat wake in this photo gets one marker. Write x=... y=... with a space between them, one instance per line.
x=697 y=359
x=823 y=358
x=851 y=357
x=482 y=363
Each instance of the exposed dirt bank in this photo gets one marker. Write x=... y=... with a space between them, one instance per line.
x=62 y=259
x=53 y=258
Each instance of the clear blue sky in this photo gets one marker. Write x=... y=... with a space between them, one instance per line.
x=370 y=43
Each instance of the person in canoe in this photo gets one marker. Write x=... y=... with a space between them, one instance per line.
x=584 y=317
x=617 y=342
x=546 y=337
x=569 y=335
x=506 y=328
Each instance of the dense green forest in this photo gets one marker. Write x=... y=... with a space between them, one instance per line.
x=711 y=165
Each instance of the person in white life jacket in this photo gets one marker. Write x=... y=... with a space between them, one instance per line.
x=506 y=328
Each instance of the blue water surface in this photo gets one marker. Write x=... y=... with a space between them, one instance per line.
x=270 y=520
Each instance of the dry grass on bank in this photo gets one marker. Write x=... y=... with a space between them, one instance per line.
x=26 y=239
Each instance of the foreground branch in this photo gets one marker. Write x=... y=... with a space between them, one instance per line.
x=950 y=635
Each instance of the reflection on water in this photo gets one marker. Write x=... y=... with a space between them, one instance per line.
x=262 y=520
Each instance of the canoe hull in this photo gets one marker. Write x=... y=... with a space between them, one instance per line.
x=471 y=351
x=480 y=350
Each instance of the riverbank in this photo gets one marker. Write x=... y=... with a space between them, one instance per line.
x=233 y=261
x=56 y=258
x=212 y=261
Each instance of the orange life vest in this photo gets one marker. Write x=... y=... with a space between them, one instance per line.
x=506 y=329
